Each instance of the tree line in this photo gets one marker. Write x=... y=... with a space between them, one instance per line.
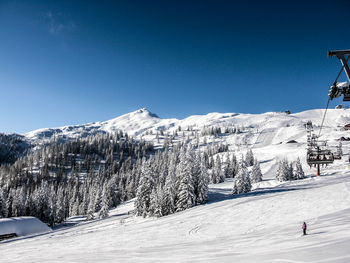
x=79 y=177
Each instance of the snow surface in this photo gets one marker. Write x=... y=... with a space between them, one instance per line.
x=22 y=226
x=267 y=133
x=137 y=123
x=261 y=226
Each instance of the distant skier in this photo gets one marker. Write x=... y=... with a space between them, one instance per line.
x=304 y=228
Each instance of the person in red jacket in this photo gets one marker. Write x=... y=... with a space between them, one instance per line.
x=304 y=228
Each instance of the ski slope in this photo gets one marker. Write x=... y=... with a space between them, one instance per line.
x=141 y=121
x=267 y=133
x=261 y=226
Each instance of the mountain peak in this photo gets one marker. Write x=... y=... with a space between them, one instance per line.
x=146 y=112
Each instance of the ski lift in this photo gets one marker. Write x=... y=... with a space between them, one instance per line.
x=317 y=153
x=318 y=156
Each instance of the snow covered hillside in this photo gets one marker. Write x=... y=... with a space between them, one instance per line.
x=142 y=122
x=267 y=134
x=261 y=226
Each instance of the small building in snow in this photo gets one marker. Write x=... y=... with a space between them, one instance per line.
x=21 y=226
x=347 y=126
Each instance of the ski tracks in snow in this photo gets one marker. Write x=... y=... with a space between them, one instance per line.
x=194 y=231
x=265 y=137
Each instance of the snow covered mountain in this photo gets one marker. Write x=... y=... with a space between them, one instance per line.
x=261 y=226
x=261 y=132
x=142 y=121
x=134 y=123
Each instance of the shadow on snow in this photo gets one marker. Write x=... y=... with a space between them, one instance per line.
x=218 y=194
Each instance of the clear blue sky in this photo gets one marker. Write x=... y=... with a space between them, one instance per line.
x=72 y=62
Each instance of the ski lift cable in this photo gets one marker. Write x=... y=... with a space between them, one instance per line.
x=334 y=83
x=324 y=116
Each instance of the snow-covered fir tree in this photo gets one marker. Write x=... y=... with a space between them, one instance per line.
x=256 y=175
x=299 y=172
x=232 y=166
x=104 y=211
x=156 y=205
x=249 y=158
x=66 y=178
x=186 y=197
x=282 y=172
x=241 y=182
x=144 y=191
x=285 y=171
x=91 y=209
x=217 y=171
x=201 y=187
x=170 y=189
x=291 y=175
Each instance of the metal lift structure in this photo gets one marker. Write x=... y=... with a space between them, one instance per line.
x=338 y=89
x=317 y=152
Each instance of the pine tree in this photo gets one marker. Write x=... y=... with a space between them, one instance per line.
x=186 y=197
x=242 y=181
x=98 y=199
x=227 y=166
x=256 y=175
x=53 y=208
x=155 y=208
x=75 y=208
x=196 y=172
x=202 y=187
x=170 y=189
x=232 y=166
x=91 y=206
x=249 y=159
x=146 y=185
x=299 y=172
x=60 y=205
x=280 y=173
x=283 y=170
x=220 y=177
x=104 y=211
x=291 y=172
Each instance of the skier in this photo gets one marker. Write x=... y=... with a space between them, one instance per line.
x=304 y=228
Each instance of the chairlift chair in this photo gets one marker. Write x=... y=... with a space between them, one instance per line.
x=318 y=156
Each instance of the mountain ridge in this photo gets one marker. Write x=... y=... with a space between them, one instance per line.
x=138 y=122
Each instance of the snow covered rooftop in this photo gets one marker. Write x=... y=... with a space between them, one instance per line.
x=22 y=226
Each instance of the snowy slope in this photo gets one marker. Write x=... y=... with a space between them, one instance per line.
x=262 y=226
x=137 y=123
x=267 y=133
